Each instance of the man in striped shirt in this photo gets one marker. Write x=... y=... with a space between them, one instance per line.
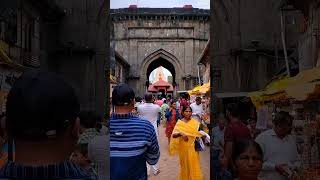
x=133 y=141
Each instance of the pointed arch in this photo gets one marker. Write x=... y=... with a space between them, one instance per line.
x=163 y=58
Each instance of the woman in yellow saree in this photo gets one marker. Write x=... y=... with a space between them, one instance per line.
x=182 y=143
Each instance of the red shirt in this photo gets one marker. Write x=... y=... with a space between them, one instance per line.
x=236 y=131
x=184 y=102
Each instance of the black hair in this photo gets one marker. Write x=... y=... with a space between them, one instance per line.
x=122 y=95
x=88 y=119
x=241 y=146
x=184 y=108
x=148 y=97
x=233 y=109
x=282 y=118
x=138 y=99
x=40 y=102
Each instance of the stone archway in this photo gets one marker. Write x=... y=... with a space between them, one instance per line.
x=160 y=58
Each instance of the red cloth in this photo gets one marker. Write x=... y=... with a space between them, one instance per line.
x=236 y=131
x=183 y=102
x=171 y=123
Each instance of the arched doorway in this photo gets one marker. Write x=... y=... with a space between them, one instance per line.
x=164 y=59
x=161 y=86
x=164 y=63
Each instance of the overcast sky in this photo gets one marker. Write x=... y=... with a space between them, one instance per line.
x=202 y=4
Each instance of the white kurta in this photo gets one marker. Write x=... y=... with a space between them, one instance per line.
x=277 y=151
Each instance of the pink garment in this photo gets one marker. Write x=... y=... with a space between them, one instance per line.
x=159 y=102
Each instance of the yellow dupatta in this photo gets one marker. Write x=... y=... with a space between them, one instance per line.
x=189 y=128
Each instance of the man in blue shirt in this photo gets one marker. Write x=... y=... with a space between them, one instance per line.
x=133 y=141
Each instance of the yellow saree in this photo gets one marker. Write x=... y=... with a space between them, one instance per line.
x=189 y=158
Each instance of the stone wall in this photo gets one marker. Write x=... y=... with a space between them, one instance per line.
x=178 y=41
x=246 y=37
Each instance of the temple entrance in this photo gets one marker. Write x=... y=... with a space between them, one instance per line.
x=161 y=78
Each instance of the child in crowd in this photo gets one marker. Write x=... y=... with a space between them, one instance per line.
x=80 y=157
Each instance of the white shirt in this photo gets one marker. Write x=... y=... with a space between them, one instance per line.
x=197 y=109
x=150 y=112
x=277 y=151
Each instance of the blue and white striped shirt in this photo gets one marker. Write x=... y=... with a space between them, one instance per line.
x=133 y=142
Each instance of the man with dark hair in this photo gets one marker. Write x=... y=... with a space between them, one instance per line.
x=235 y=131
x=88 y=130
x=197 y=108
x=183 y=102
x=150 y=112
x=133 y=141
x=280 y=155
x=41 y=110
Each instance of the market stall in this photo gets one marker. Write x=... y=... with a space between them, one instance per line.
x=203 y=92
x=300 y=96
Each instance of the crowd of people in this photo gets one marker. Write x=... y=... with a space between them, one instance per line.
x=44 y=135
x=241 y=151
x=134 y=146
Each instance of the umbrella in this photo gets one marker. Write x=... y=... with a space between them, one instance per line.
x=40 y=102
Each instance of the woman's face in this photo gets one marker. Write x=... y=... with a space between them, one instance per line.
x=249 y=164
x=174 y=105
x=187 y=113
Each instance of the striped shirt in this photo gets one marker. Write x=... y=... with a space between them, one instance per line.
x=133 y=142
x=87 y=136
x=64 y=170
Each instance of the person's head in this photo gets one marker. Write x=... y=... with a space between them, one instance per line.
x=138 y=99
x=123 y=95
x=252 y=123
x=39 y=105
x=88 y=119
x=282 y=124
x=248 y=158
x=233 y=111
x=183 y=96
x=164 y=101
x=80 y=155
x=148 y=97
x=186 y=112
x=198 y=100
x=221 y=122
x=173 y=105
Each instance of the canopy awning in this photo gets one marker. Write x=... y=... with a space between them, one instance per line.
x=200 y=89
x=303 y=86
x=112 y=79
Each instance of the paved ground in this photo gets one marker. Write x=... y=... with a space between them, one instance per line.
x=169 y=165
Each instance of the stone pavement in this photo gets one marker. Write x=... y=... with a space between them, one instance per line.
x=169 y=165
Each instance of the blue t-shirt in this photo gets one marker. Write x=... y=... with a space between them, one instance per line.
x=133 y=142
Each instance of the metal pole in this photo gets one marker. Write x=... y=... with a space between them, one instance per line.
x=284 y=44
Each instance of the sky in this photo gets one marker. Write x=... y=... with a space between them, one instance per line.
x=202 y=4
